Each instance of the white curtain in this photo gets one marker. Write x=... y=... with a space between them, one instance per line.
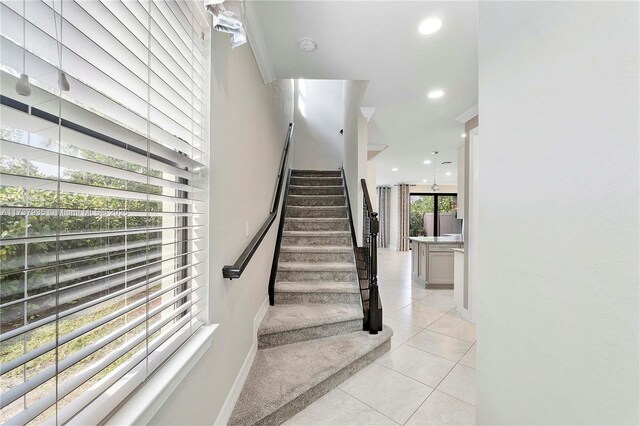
x=403 y=216
x=383 y=215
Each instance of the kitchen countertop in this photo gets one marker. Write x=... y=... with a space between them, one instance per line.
x=455 y=239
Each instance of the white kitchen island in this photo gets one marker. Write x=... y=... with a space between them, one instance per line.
x=432 y=260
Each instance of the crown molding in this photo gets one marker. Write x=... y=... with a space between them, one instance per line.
x=468 y=114
x=256 y=41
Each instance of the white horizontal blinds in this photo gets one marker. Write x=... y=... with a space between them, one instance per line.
x=102 y=198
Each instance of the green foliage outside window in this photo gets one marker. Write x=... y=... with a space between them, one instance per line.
x=423 y=204
x=80 y=259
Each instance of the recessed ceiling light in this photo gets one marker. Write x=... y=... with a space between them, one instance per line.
x=395 y=169
x=435 y=94
x=429 y=26
x=448 y=173
x=434 y=152
x=464 y=135
x=307 y=45
x=427 y=161
x=424 y=180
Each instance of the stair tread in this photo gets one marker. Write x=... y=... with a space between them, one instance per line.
x=305 y=186
x=281 y=374
x=316 y=196
x=315 y=219
x=316 y=170
x=317 y=177
x=316 y=266
x=317 y=207
x=350 y=287
x=281 y=318
x=314 y=233
x=316 y=249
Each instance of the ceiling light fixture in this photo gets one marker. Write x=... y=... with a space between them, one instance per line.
x=448 y=173
x=424 y=180
x=307 y=45
x=395 y=169
x=429 y=26
x=427 y=161
x=464 y=135
x=435 y=94
x=435 y=187
x=434 y=152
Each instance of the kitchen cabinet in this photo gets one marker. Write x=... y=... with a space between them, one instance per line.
x=432 y=260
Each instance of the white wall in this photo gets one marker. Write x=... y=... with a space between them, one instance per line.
x=558 y=290
x=354 y=148
x=363 y=136
x=319 y=116
x=248 y=126
x=371 y=184
x=461 y=178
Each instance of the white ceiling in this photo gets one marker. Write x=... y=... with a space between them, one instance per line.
x=379 y=41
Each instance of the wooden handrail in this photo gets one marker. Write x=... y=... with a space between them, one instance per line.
x=367 y=199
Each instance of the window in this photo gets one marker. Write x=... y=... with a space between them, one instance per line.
x=103 y=199
x=433 y=215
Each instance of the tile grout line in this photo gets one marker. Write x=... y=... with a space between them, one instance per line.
x=425 y=327
x=373 y=408
x=439 y=383
x=408 y=377
x=422 y=350
x=397 y=290
x=344 y=391
x=436 y=388
x=443 y=334
x=431 y=353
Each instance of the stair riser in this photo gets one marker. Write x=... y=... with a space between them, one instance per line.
x=292 y=408
x=301 y=298
x=316 y=257
x=296 y=276
x=338 y=200
x=310 y=333
x=332 y=225
x=316 y=190
x=316 y=181
x=316 y=173
x=332 y=213
x=340 y=241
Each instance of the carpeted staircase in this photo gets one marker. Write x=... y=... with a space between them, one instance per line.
x=312 y=339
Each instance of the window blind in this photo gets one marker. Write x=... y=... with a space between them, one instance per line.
x=103 y=199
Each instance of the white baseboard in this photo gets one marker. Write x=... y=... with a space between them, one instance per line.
x=234 y=393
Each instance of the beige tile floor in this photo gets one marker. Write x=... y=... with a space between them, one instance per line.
x=428 y=378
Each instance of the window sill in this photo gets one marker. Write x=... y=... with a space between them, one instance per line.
x=147 y=400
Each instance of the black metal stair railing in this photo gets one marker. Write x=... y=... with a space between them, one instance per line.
x=370 y=229
x=367 y=261
x=235 y=270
